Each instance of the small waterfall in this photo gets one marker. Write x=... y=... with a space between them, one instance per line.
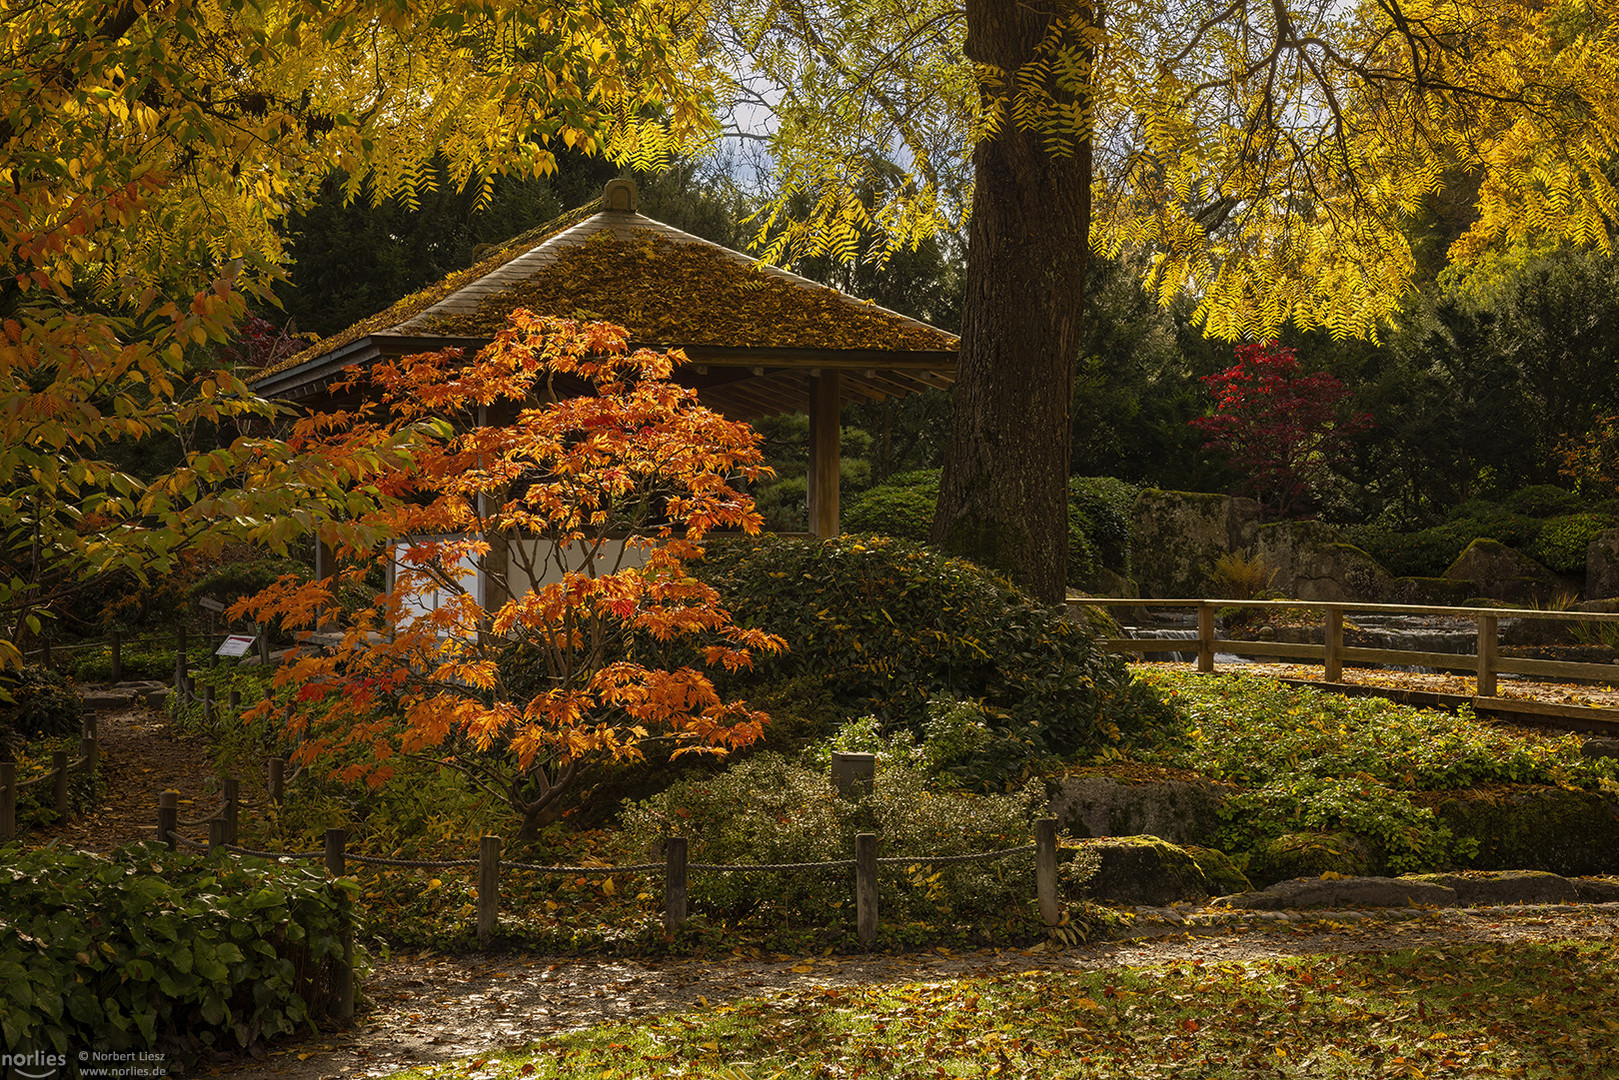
x=1177 y=656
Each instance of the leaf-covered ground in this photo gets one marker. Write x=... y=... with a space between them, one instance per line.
x=1449 y=995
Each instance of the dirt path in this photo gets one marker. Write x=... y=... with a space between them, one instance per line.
x=140 y=756
x=429 y=1009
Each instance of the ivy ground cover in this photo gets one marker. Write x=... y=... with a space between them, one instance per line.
x=1528 y=1009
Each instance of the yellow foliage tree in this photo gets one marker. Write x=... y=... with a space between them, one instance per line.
x=1268 y=156
x=149 y=147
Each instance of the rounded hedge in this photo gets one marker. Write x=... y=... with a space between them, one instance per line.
x=882 y=626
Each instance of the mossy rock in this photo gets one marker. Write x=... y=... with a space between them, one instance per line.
x=1444 y=592
x=1219 y=871
x=1136 y=870
x=1177 y=535
x=1502 y=573
x=1313 y=562
x=1309 y=854
x=1534 y=827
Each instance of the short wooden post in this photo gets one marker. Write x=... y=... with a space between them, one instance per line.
x=92 y=725
x=168 y=818
x=235 y=702
x=208 y=705
x=1205 y=637
x=674 y=883
x=45 y=652
x=59 y=780
x=264 y=645
x=117 y=642
x=216 y=835
x=92 y=754
x=865 y=886
x=8 y=800
x=232 y=810
x=1045 y=869
x=1487 y=650
x=342 y=970
x=277 y=768
x=488 y=886
x=1335 y=644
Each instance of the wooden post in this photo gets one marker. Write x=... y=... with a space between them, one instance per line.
x=8 y=800
x=235 y=703
x=823 y=454
x=117 y=641
x=179 y=668
x=1205 y=638
x=488 y=886
x=1487 y=649
x=216 y=835
x=168 y=818
x=59 y=780
x=208 y=705
x=674 y=883
x=1335 y=644
x=343 y=969
x=277 y=768
x=92 y=754
x=233 y=805
x=92 y=724
x=1045 y=869
x=44 y=652
x=264 y=644
x=865 y=886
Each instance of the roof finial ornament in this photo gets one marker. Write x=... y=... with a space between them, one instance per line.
x=620 y=194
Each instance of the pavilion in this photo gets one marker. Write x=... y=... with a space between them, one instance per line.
x=762 y=341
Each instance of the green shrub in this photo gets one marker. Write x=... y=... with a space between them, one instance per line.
x=149 y=950
x=887 y=626
x=1429 y=552
x=136 y=662
x=36 y=805
x=1541 y=501
x=42 y=703
x=1105 y=504
x=901 y=506
x=765 y=810
x=1562 y=541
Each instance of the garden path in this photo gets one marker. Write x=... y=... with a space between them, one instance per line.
x=428 y=1008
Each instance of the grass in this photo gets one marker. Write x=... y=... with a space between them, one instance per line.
x=1531 y=1010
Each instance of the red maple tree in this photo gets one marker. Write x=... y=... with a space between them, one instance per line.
x=1282 y=428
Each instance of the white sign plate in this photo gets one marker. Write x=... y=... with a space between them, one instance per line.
x=235 y=645
x=210 y=604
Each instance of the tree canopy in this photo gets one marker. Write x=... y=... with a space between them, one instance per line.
x=150 y=148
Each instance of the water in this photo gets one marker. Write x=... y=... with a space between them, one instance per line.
x=1416 y=633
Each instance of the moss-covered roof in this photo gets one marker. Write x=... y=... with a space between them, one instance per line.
x=667 y=287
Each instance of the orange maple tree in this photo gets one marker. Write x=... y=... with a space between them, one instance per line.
x=581 y=512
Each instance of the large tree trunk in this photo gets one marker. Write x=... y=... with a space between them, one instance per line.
x=1003 y=501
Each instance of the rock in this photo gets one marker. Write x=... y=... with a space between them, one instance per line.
x=1602 y=566
x=1104 y=582
x=1343 y=892
x=1218 y=869
x=1596 y=890
x=1600 y=747
x=1180 y=811
x=1502 y=573
x=1444 y=592
x=1313 y=562
x=1139 y=870
x=1535 y=827
x=1308 y=854
x=1506 y=887
x=1177 y=535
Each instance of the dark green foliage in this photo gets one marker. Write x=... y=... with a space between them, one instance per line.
x=1562 y=541
x=902 y=506
x=1542 y=500
x=1429 y=552
x=42 y=703
x=136 y=662
x=149 y=950
x=1105 y=505
x=888 y=625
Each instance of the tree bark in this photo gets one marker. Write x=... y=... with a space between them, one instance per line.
x=1003 y=499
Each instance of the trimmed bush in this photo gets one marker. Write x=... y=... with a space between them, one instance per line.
x=152 y=950
x=1542 y=501
x=901 y=506
x=42 y=703
x=887 y=626
x=1562 y=542
x=1105 y=505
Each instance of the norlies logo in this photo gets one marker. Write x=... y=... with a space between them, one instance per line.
x=36 y=1065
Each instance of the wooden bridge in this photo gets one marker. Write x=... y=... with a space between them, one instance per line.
x=1485 y=663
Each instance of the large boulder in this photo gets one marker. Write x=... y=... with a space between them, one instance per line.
x=1177 y=535
x=1502 y=573
x=1344 y=892
x=1314 y=562
x=1181 y=811
x=1136 y=870
x=1308 y=855
x=1602 y=566
x=1507 y=887
x=1534 y=827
